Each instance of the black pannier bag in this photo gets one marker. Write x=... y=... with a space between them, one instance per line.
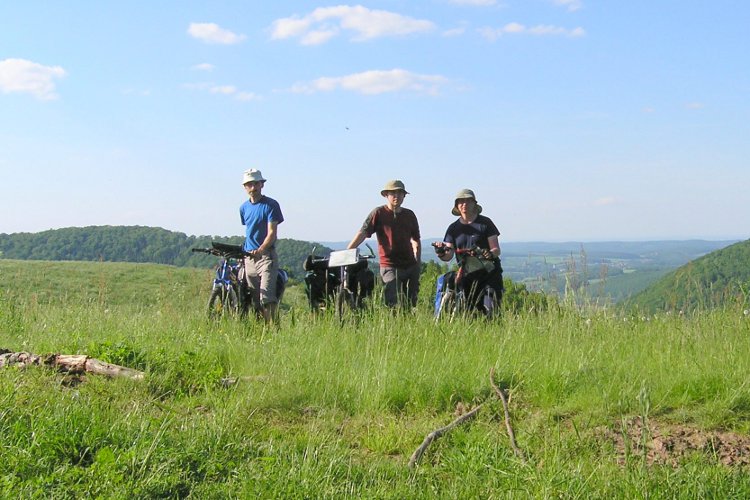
x=361 y=280
x=320 y=282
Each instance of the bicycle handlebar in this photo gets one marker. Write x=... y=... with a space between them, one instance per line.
x=231 y=254
x=474 y=251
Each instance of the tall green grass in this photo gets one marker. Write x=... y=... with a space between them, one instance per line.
x=314 y=408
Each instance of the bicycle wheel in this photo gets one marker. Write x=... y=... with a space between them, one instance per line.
x=343 y=303
x=216 y=303
x=244 y=300
x=489 y=302
x=447 y=305
x=231 y=301
x=223 y=301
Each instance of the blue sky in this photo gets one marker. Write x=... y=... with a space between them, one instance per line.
x=572 y=120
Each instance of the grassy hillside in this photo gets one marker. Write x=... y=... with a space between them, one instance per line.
x=601 y=405
x=718 y=279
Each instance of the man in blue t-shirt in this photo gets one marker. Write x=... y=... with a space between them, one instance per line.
x=261 y=215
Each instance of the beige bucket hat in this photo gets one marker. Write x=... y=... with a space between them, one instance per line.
x=463 y=195
x=252 y=175
x=394 y=185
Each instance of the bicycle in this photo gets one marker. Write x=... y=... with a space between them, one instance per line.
x=453 y=299
x=356 y=280
x=321 y=282
x=230 y=293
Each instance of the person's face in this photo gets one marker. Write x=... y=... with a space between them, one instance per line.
x=253 y=187
x=395 y=198
x=466 y=207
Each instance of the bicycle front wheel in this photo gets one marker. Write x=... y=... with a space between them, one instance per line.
x=216 y=303
x=223 y=301
x=343 y=303
x=447 y=305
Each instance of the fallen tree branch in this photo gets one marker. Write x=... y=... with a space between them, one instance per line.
x=511 y=434
x=69 y=363
x=439 y=432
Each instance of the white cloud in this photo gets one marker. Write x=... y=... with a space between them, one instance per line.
x=493 y=34
x=246 y=96
x=571 y=5
x=474 y=2
x=227 y=90
x=695 y=105
x=223 y=89
x=376 y=82
x=454 y=32
x=212 y=33
x=20 y=75
x=203 y=67
x=324 y=23
x=457 y=31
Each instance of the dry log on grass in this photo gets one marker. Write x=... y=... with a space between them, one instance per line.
x=75 y=364
x=509 y=427
x=439 y=432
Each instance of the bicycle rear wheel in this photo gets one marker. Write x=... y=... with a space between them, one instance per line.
x=489 y=302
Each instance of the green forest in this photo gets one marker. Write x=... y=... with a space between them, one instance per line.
x=137 y=244
x=718 y=279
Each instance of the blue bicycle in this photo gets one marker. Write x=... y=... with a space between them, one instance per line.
x=230 y=293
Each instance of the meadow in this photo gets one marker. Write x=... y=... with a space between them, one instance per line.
x=603 y=404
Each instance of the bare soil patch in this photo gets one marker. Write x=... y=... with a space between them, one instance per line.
x=668 y=444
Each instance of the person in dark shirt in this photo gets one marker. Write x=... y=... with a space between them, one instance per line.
x=400 y=248
x=472 y=230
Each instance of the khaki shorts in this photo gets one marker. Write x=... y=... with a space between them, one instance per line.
x=260 y=274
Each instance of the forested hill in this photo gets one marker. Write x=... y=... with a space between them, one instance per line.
x=136 y=244
x=717 y=279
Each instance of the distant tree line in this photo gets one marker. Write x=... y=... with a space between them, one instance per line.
x=137 y=244
x=717 y=279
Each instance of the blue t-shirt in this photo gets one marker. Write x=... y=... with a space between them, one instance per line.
x=255 y=217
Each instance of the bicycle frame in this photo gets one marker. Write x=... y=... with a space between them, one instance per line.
x=455 y=300
x=346 y=298
x=226 y=274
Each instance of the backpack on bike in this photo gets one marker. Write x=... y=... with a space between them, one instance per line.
x=360 y=279
x=444 y=282
x=363 y=281
x=320 y=281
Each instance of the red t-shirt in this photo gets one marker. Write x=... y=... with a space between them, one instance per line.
x=395 y=232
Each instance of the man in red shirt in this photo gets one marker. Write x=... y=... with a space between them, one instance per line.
x=400 y=249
